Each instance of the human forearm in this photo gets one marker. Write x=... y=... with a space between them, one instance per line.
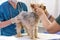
x=50 y=17
x=45 y=21
x=51 y=27
x=5 y=23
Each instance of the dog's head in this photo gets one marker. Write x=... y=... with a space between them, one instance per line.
x=33 y=6
x=36 y=8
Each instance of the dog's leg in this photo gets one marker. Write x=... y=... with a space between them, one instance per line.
x=28 y=33
x=36 y=31
x=27 y=30
x=18 y=29
x=31 y=32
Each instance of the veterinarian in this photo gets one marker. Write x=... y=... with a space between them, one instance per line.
x=8 y=12
x=52 y=27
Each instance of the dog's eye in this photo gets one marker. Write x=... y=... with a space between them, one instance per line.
x=44 y=7
x=40 y=6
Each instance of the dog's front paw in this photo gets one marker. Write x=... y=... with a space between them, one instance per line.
x=32 y=37
x=18 y=35
x=37 y=37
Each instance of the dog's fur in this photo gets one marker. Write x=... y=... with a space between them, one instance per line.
x=29 y=20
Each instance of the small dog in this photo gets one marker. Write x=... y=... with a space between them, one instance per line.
x=29 y=21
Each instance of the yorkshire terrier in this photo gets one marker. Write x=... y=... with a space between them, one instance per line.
x=29 y=21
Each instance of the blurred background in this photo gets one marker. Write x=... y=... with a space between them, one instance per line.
x=52 y=7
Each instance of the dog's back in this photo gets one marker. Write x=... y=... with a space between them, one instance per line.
x=28 y=18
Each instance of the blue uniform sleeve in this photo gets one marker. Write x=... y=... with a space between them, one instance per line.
x=1 y=14
x=23 y=6
x=58 y=19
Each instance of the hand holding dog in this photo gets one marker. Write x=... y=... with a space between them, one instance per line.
x=15 y=19
x=37 y=9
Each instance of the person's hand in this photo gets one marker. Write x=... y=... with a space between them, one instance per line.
x=37 y=9
x=15 y=20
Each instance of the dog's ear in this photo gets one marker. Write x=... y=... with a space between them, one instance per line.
x=42 y=6
x=32 y=5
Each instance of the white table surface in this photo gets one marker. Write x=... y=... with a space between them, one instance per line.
x=42 y=36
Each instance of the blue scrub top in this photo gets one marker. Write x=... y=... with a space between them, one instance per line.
x=7 y=12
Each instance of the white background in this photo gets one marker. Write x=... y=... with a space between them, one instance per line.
x=52 y=5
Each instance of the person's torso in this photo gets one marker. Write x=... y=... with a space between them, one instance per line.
x=8 y=13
